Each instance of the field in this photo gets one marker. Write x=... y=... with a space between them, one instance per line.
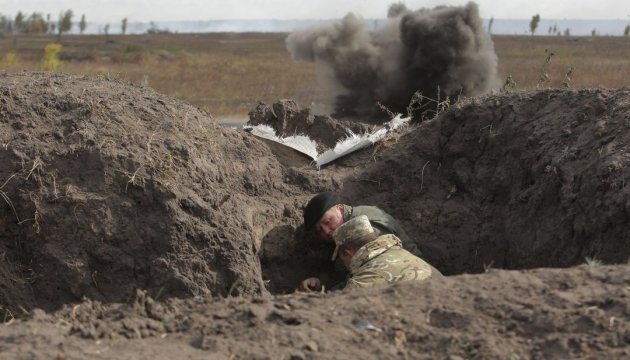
x=133 y=225
x=226 y=74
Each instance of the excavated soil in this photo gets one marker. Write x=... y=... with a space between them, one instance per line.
x=144 y=229
x=537 y=179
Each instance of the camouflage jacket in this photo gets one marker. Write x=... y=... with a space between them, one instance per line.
x=383 y=223
x=384 y=261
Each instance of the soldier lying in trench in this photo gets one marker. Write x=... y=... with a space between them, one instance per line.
x=325 y=213
x=376 y=259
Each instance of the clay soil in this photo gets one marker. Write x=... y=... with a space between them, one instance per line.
x=135 y=226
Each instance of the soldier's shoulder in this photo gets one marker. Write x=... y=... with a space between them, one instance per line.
x=372 y=212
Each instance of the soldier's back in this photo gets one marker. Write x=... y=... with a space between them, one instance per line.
x=387 y=263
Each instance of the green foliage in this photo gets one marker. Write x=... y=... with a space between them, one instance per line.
x=567 y=32
x=533 y=24
x=626 y=31
x=65 y=21
x=51 y=56
x=36 y=24
x=82 y=24
x=6 y=25
x=19 y=21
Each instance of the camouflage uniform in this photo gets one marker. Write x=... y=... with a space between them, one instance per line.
x=379 y=259
x=384 y=261
x=383 y=223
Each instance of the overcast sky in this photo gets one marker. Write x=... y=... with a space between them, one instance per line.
x=163 y=10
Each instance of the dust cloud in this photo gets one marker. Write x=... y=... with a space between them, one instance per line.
x=441 y=52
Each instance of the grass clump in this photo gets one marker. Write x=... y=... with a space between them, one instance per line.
x=51 y=59
x=592 y=261
x=10 y=58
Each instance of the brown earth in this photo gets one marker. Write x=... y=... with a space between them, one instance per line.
x=581 y=313
x=109 y=188
x=287 y=119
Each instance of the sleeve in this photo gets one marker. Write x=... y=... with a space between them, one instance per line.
x=364 y=279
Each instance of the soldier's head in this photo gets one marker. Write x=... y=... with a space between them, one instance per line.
x=323 y=214
x=351 y=236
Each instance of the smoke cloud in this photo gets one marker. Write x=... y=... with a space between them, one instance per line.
x=445 y=48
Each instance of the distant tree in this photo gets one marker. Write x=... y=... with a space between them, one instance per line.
x=19 y=22
x=6 y=24
x=534 y=23
x=36 y=24
x=106 y=30
x=550 y=30
x=626 y=31
x=594 y=32
x=490 y=25
x=65 y=22
x=9 y=26
x=154 y=29
x=124 y=26
x=48 y=23
x=567 y=32
x=82 y=24
x=555 y=28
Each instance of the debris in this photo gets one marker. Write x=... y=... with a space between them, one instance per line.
x=362 y=324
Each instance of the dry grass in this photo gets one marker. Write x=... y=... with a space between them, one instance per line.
x=597 y=61
x=225 y=74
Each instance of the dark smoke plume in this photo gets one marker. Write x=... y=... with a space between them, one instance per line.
x=445 y=48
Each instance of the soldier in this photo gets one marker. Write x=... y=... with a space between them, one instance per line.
x=372 y=259
x=325 y=212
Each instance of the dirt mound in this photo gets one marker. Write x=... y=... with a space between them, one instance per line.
x=581 y=313
x=287 y=119
x=107 y=188
x=536 y=179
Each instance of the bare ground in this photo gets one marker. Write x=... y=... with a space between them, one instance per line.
x=143 y=228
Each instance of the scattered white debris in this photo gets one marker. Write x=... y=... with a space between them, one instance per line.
x=301 y=143
x=350 y=144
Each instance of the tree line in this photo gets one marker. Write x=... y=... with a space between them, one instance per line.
x=36 y=23
x=533 y=25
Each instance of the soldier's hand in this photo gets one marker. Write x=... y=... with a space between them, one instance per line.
x=310 y=284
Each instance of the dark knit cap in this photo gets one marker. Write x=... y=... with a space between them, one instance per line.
x=316 y=208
